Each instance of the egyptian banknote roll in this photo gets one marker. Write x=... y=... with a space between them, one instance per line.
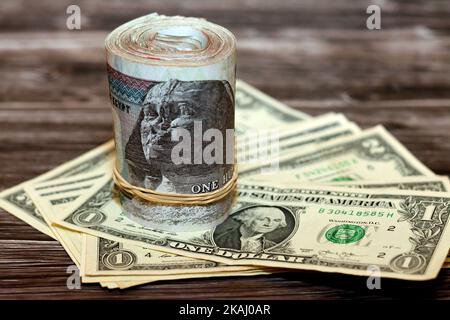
x=172 y=84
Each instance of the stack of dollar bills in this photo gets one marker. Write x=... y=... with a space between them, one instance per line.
x=340 y=199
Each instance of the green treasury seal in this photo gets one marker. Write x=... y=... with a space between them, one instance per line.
x=345 y=233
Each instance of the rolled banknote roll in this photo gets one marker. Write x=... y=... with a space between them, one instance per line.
x=172 y=84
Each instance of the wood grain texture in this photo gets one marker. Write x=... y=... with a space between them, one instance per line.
x=315 y=56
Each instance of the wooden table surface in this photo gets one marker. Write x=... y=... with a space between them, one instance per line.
x=314 y=55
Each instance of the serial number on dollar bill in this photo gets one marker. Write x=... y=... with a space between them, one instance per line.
x=357 y=213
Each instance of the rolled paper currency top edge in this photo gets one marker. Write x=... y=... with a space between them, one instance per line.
x=171 y=41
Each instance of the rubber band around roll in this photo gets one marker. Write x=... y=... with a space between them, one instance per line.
x=166 y=198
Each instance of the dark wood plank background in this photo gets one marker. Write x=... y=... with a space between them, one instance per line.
x=314 y=55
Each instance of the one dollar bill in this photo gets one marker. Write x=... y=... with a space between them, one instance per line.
x=403 y=234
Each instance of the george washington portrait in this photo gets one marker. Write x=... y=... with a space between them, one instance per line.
x=254 y=229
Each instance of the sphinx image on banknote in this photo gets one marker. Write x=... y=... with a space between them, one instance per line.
x=167 y=107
